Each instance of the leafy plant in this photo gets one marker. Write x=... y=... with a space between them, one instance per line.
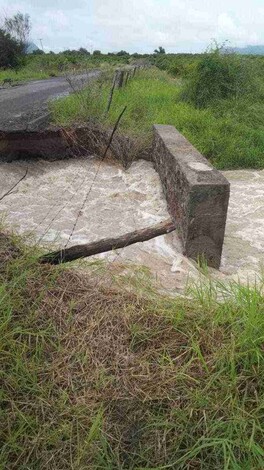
x=10 y=50
x=220 y=74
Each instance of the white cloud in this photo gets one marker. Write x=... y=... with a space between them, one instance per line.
x=142 y=25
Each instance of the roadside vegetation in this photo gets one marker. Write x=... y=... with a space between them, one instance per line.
x=97 y=374
x=217 y=104
x=16 y=64
x=40 y=66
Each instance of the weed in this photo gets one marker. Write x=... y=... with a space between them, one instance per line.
x=219 y=75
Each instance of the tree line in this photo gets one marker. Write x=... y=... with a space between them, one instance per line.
x=14 y=37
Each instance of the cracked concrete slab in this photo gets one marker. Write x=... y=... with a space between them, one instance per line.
x=48 y=201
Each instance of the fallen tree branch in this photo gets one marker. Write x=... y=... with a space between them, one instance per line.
x=15 y=185
x=107 y=244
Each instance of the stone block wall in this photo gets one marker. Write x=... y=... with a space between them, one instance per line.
x=197 y=194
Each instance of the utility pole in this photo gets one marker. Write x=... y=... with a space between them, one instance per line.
x=40 y=40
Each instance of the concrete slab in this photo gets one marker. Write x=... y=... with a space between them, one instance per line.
x=47 y=202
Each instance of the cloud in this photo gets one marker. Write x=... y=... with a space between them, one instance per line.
x=142 y=25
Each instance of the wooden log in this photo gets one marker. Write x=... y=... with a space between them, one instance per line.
x=107 y=244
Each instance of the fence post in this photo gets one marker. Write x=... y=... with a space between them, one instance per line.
x=120 y=79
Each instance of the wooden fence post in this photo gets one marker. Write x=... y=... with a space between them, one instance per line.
x=120 y=79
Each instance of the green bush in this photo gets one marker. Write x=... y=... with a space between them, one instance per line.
x=10 y=50
x=219 y=75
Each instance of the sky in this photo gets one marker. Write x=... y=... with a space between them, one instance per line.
x=141 y=25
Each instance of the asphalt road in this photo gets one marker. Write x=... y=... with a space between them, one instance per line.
x=22 y=104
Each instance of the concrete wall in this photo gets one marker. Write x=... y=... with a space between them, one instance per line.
x=197 y=194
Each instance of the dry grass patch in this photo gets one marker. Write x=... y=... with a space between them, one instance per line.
x=96 y=375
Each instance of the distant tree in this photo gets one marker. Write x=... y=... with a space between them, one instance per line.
x=19 y=26
x=97 y=52
x=10 y=50
x=160 y=50
x=38 y=52
x=120 y=53
x=84 y=51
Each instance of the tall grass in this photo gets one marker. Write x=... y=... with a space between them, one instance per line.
x=229 y=132
x=108 y=377
x=220 y=75
x=46 y=65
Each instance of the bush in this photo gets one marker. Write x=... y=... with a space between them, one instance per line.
x=219 y=75
x=10 y=50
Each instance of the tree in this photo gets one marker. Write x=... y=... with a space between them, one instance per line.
x=10 y=50
x=121 y=53
x=96 y=52
x=38 y=52
x=84 y=51
x=19 y=26
x=160 y=50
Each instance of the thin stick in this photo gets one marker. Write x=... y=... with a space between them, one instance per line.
x=113 y=131
x=111 y=93
x=13 y=187
x=96 y=174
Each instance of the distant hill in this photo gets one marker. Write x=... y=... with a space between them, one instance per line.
x=253 y=50
x=31 y=47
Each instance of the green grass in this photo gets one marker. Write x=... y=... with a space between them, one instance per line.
x=46 y=65
x=23 y=75
x=230 y=133
x=112 y=378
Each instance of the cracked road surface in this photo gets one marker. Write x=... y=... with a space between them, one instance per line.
x=19 y=105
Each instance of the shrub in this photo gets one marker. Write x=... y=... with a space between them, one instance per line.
x=10 y=50
x=219 y=75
